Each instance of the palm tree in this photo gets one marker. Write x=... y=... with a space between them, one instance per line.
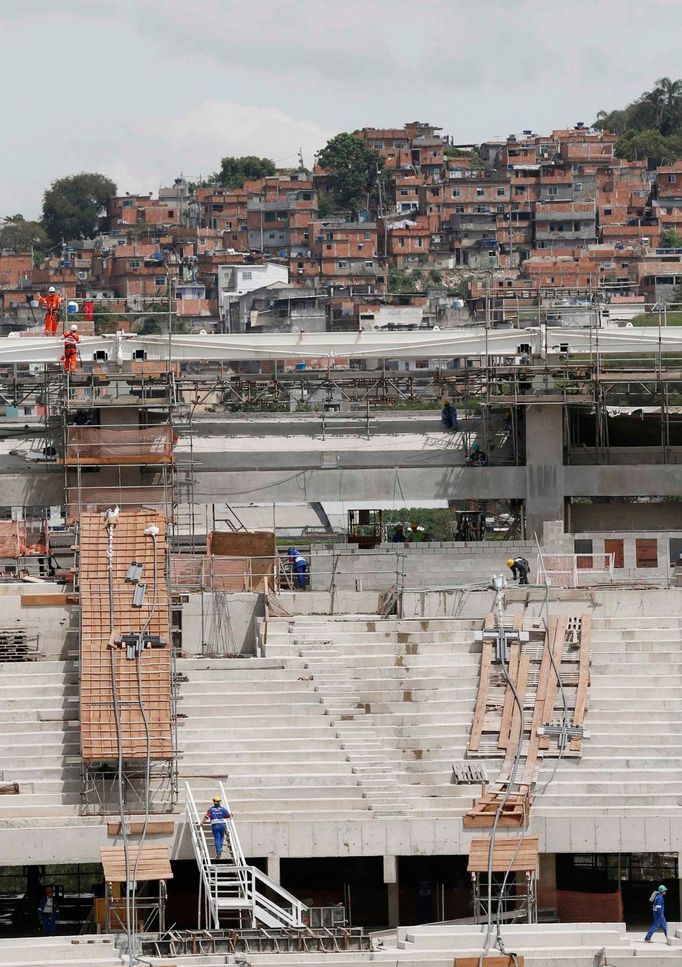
x=671 y=95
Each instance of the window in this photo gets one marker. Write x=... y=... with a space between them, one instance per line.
x=553 y=190
x=368 y=235
x=28 y=410
x=404 y=191
x=171 y=213
x=307 y=196
x=456 y=192
x=216 y=208
x=247 y=276
x=607 y=211
x=328 y=247
x=128 y=203
x=519 y=189
x=420 y=243
x=272 y=235
x=306 y=236
x=500 y=192
x=160 y=280
x=369 y=264
x=269 y=217
x=480 y=192
x=134 y=263
x=459 y=209
x=578 y=186
x=399 y=144
x=401 y=242
x=342 y=264
x=672 y=179
x=361 y=245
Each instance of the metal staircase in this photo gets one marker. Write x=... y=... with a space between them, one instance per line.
x=232 y=890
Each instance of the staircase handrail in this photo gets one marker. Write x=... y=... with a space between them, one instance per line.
x=298 y=908
x=232 y=835
x=201 y=853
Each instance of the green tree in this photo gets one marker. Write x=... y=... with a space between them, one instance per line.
x=19 y=235
x=650 y=146
x=235 y=171
x=74 y=206
x=671 y=239
x=354 y=169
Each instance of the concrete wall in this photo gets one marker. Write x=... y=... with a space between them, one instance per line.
x=625 y=517
x=206 y=629
x=55 y=624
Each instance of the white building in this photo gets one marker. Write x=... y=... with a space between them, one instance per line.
x=236 y=280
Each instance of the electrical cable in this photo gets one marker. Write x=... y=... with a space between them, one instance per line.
x=110 y=525
x=145 y=720
x=505 y=799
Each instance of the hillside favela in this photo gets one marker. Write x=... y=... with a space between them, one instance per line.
x=341 y=540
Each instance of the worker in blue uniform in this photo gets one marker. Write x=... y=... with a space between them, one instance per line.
x=217 y=815
x=300 y=566
x=658 y=905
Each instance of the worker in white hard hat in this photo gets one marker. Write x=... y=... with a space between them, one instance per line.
x=51 y=303
x=71 y=340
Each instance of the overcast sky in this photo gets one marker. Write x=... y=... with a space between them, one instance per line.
x=144 y=90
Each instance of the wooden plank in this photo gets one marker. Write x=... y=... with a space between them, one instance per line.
x=155 y=827
x=575 y=745
x=45 y=600
x=496 y=960
x=482 y=695
x=523 y=856
x=508 y=707
x=153 y=864
x=556 y=643
x=521 y=684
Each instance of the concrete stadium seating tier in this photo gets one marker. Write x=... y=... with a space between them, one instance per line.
x=339 y=741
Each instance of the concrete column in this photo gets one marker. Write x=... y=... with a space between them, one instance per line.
x=547 y=877
x=391 y=881
x=544 y=466
x=273 y=869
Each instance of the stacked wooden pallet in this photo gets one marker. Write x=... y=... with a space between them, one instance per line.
x=100 y=632
x=564 y=646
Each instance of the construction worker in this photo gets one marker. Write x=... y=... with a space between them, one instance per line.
x=399 y=534
x=300 y=566
x=71 y=340
x=51 y=303
x=217 y=815
x=519 y=567
x=657 y=900
x=448 y=416
x=47 y=911
x=476 y=457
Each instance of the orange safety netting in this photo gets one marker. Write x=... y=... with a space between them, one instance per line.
x=93 y=441
x=19 y=539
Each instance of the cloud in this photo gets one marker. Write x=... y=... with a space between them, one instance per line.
x=152 y=152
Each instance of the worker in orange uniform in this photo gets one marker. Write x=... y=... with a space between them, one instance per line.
x=51 y=303
x=71 y=340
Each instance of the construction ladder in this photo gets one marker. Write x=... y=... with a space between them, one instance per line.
x=233 y=888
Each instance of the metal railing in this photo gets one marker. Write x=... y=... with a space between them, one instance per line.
x=238 y=887
x=575 y=570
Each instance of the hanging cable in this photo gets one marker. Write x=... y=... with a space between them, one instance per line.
x=564 y=701
x=499 y=600
x=111 y=519
x=151 y=531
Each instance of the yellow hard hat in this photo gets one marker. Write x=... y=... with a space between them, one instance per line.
x=510 y=562
x=217 y=799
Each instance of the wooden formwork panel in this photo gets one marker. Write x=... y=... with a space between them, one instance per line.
x=153 y=689
x=508 y=854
